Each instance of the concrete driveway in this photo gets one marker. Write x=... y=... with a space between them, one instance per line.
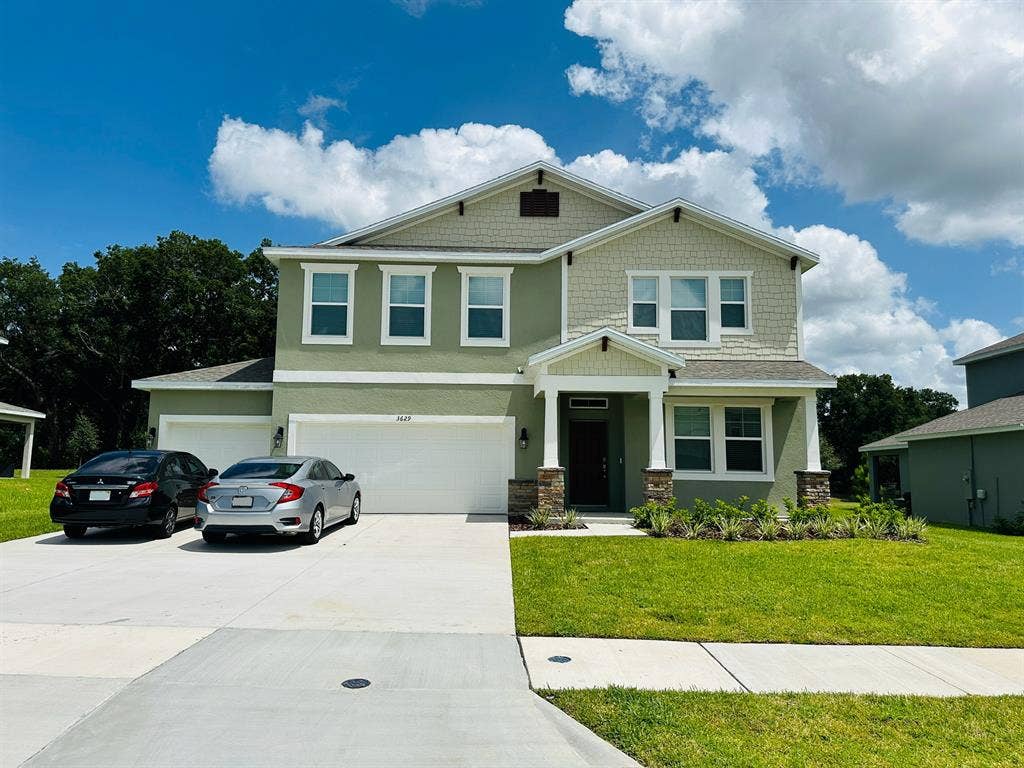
x=121 y=651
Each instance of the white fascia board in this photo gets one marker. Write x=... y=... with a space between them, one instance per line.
x=241 y=386
x=489 y=187
x=974 y=357
x=692 y=211
x=314 y=253
x=635 y=346
x=755 y=383
x=396 y=377
x=964 y=432
x=883 y=448
x=20 y=416
x=3 y=340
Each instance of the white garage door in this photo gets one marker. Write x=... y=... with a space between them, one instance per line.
x=418 y=464
x=218 y=441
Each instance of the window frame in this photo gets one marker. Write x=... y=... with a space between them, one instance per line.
x=713 y=294
x=710 y=438
x=387 y=272
x=747 y=329
x=717 y=407
x=649 y=330
x=311 y=268
x=505 y=273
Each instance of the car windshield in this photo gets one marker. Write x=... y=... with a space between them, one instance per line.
x=121 y=464
x=261 y=470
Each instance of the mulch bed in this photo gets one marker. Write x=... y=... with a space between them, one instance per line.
x=520 y=523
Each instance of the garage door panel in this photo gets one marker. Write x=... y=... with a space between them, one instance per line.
x=217 y=444
x=410 y=467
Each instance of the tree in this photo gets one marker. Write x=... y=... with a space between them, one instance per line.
x=866 y=407
x=84 y=440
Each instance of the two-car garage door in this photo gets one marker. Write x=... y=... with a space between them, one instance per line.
x=416 y=464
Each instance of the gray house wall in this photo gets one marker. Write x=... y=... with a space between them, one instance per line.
x=994 y=378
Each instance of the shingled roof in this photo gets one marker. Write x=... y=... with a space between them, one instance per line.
x=1004 y=414
x=246 y=374
x=753 y=371
x=1003 y=347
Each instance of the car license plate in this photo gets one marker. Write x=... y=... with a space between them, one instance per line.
x=242 y=501
x=99 y=495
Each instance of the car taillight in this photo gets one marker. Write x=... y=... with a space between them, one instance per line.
x=143 y=491
x=291 y=492
x=202 y=492
x=62 y=490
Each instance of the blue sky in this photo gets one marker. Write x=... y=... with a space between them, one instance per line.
x=109 y=118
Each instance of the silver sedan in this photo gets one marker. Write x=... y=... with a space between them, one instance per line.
x=291 y=495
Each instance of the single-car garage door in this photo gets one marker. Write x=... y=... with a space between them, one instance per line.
x=420 y=464
x=218 y=441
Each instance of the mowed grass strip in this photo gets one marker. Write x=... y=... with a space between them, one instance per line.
x=724 y=730
x=25 y=504
x=962 y=588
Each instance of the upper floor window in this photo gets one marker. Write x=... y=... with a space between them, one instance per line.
x=328 y=301
x=689 y=309
x=538 y=202
x=485 y=306
x=405 y=307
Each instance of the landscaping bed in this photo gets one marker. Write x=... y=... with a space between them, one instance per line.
x=539 y=520
x=722 y=730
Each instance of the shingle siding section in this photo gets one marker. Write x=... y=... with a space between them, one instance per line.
x=597 y=289
x=594 y=362
x=495 y=222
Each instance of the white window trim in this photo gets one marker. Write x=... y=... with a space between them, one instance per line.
x=397 y=269
x=309 y=268
x=714 y=307
x=718 y=470
x=748 y=329
x=643 y=329
x=506 y=324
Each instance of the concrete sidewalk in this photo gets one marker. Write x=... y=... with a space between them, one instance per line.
x=766 y=668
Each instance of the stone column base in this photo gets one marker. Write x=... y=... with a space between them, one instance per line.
x=551 y=489
x=812 y=487
x=658 y=485
x=522 y=496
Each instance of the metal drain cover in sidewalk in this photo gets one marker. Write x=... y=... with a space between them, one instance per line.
x=355 y=682
x=559 y=659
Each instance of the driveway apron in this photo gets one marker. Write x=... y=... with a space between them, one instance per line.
x=120 y=651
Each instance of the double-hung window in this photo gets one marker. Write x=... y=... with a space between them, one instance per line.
x=643 y=304
x=720 y=440
x=328 y=303
x=733 y=294
x=405 y=309
x=485 y=306
x=689 y=317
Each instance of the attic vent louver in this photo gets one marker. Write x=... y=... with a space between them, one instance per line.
x=538 y=202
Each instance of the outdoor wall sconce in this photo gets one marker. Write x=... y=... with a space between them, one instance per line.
x=524 y=438
x=151 y=437
x=278 y=437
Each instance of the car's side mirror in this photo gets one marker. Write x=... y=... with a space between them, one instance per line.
x=348 y=477
x=211 y=473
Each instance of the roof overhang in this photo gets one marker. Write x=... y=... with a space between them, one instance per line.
x=803 y=384
x=636 y=347
x=963 y=432
x=20 y=415
x=889 y=448
x=982 y=354
x=149 y=385
x=316 y=253
x=486 y=189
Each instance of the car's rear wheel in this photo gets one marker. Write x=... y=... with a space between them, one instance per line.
x=316 y=527
x=212 y=537
x=165 y=529
x=74 y=531
x=353 y=516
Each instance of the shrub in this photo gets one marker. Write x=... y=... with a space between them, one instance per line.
x=769 y=528
x=724 y=509
x=693 y=529
x=731 y=528
x=822 y=526
x=703 y=511
x=643 y=514
x=660 y=521
x=539 y=518
x=789 y=506
x=799 y=529
x=762 y=510
x=571 y=518
x=883 y=513
x=874 y=528
x=1014 y=527
x=742 y=502
x=911 y=529
x=846 y=528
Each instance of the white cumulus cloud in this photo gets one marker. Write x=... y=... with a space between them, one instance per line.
x=916 y=104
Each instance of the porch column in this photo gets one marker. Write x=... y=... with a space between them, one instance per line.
x=551 y=428
x=811 y=424
x=656 y=429
x=26 y=454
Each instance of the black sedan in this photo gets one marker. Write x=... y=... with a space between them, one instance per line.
x=153 y=488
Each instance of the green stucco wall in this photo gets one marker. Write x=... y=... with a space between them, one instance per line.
x=993 y=461
x=535 y=325
x=207 y=403
x=996 y=377
x=517 y=401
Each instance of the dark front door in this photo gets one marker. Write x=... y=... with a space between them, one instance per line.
x=588 y=463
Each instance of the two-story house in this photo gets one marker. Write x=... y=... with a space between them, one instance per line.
x=535 y=339
x=967 y=467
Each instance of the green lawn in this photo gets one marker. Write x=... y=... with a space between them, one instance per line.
x=25 y=504
x=964 y=587
x=701 y=730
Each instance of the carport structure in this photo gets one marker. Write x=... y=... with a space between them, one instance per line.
x=18 y=415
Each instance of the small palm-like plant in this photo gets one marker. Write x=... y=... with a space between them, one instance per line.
x=846 y=528
x=822 y=527
x=873 y=528
x=539 y=517
x=799 y=529
x=693 y=529
x=769 y=528
x=911 y=528
x=731 y=528
x=571 y=518
x=660 y=522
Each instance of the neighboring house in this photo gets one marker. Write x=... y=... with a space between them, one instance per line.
x=967 y=467
x=537 y=330
x=15 y=414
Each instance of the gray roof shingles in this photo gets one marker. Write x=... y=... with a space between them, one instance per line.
x=746 y=370
x=1006 y=412
x=258 y=371
x=1000 y=347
